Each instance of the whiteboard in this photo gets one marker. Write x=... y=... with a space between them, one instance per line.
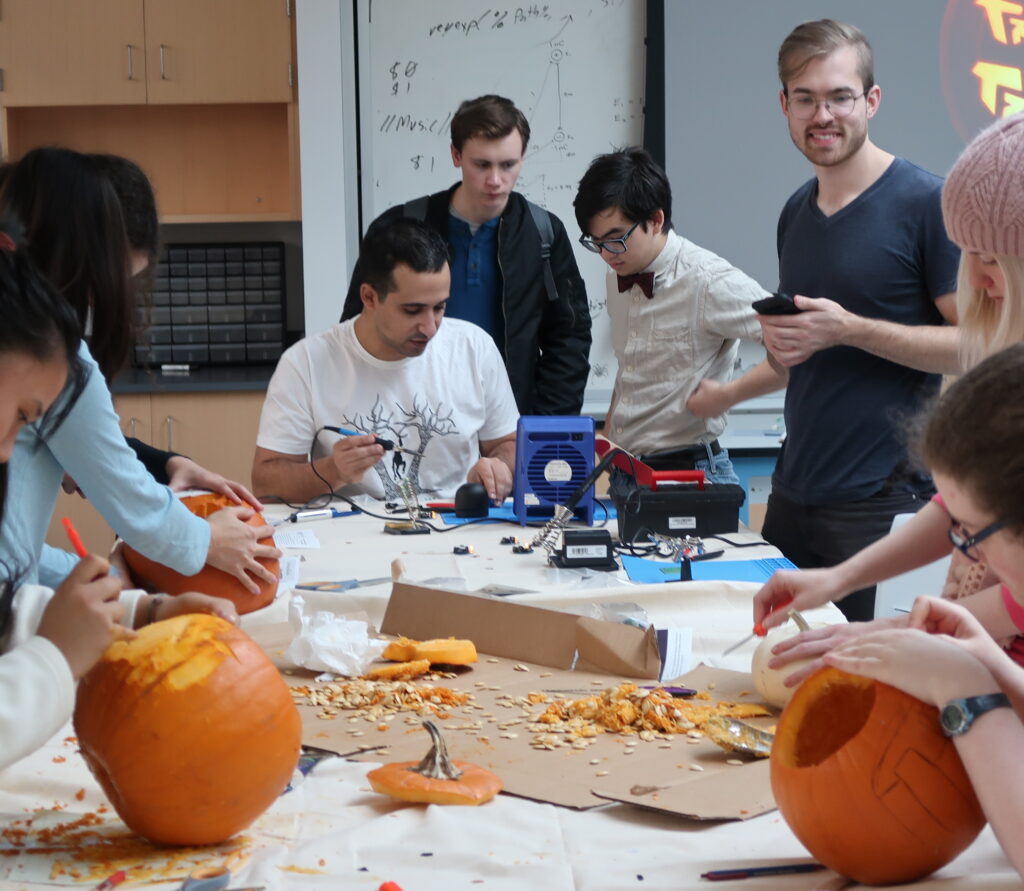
x=575 y=68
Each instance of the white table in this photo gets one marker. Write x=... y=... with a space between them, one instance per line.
x=330 y=828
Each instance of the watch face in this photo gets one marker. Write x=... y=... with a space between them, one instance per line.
x=954 y=719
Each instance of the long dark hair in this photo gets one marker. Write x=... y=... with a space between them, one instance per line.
x=76 y=237
x=37 y=322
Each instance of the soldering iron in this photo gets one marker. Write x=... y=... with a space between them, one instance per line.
x=386 y=444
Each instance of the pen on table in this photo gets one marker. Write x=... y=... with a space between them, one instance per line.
x=76 y=539
x=750 y=872
x=387 y=444
x=119 y=876
x=323 y=513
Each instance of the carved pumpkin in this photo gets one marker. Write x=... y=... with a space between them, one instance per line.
x=445 y=650
x=436 y=779
x=866 y=780
x=209 y=580
x=189 y=728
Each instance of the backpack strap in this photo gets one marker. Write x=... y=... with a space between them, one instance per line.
x=542 y=220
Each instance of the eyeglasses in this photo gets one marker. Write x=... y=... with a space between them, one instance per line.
x=612 y=245
x=965 y=543
x=804 y=107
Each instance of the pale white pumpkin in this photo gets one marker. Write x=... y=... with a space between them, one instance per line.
x=769 y=682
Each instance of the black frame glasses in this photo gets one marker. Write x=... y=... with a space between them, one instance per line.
x=612 y=245
x=793 y=103
x=963 y=543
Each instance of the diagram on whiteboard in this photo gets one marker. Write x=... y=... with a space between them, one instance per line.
x=575 y=68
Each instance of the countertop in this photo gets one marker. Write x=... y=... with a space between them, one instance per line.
x=204 y=379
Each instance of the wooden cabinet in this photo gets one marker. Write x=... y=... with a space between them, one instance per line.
x=117 y=52
x=199 y=93
x=242 y=52
x=66 y=52
x=217 y=430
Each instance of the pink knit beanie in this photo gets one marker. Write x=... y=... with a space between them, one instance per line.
x=983 y=198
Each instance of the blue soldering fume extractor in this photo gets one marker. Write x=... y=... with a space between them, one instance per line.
x=554 y=455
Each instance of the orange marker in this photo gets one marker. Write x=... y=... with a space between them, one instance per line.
x=76 y=540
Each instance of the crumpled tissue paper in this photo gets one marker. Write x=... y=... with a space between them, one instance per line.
x=325 y=641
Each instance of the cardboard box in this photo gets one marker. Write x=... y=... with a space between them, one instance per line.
x=548 y=644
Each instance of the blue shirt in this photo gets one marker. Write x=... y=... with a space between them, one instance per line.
x=90 y=446
x=883 y=256
x=476 y=278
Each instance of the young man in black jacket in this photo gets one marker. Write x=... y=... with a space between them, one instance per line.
x=513 y=269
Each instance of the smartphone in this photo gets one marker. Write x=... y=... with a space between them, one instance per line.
x=778 y=304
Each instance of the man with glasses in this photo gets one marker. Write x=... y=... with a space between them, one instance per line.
x=514 y=273
x=863 y=248
x=677 y=314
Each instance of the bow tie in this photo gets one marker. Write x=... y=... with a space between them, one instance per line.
x=643 y=280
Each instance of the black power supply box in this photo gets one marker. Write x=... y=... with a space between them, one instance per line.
x=585 y=548
x=678 y=510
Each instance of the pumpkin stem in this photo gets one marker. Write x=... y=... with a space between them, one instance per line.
x=436 y=764
x=801 y=622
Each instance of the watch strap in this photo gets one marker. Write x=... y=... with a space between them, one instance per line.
x=968 y=710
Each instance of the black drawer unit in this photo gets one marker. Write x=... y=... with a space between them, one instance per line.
x=215 y=304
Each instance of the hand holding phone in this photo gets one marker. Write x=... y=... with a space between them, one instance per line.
x=778 y=304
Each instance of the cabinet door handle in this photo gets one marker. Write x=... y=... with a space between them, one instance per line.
x=131 y=62
x=131 y=426
x=163 y=61
x=170 y=433
x=1 y=80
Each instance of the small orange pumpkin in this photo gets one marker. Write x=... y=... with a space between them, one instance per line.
x=209 y=580
x=189 y=728
x=436 y=779
x=867 y=781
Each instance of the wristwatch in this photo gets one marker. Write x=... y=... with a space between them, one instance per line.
x=957 y=715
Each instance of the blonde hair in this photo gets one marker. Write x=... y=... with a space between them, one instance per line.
x=988 y=326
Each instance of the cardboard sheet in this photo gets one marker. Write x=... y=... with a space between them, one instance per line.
x=659 y=775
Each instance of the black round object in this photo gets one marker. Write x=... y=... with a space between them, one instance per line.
x=471 y=500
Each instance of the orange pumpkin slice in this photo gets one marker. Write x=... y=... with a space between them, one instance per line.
x=447 y=650
x=403 y=671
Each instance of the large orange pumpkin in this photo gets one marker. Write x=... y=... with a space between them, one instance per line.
x=867 y=781
x=209 y=580
x=189 y=728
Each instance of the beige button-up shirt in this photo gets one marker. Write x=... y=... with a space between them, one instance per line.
x=666 y=345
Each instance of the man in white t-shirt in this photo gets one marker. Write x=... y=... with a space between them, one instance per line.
x=440 y=392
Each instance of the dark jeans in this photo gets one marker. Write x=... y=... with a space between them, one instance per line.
x=815 y=536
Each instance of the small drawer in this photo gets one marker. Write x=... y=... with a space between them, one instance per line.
x=263 y=352
x=191 y=334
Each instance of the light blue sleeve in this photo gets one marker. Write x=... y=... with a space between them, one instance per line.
x=90 y=446
x=54 y=565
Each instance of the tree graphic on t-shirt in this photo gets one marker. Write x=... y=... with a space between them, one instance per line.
x=426 y=420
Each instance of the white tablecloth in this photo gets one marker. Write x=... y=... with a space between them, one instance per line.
x=331 y=832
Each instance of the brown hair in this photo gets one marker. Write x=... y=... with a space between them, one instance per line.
x=488 y=117
x=974 y=435
x=815 y=40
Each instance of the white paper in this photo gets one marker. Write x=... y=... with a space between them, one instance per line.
x=677 y=654
x=296 y=538
x=289 y=567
